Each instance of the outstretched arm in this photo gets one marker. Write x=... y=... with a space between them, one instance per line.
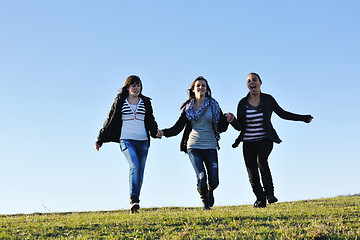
x=177 y=128
x=289 y=115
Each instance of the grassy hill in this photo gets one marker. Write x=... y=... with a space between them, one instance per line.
x=331 y=218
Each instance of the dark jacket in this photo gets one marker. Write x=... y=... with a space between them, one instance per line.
x=184 y=122
x=268 y=105
x=111 y=130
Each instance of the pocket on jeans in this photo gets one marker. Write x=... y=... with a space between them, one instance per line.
x=123 y=146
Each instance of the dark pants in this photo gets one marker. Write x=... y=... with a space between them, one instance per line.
x=256 y=158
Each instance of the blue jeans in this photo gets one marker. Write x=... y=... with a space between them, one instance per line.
x=201 y=159
x=135 y=152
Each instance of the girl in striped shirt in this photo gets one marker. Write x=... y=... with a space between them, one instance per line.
x=258 y=135
x=131 y=123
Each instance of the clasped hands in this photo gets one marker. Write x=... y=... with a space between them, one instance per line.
x=229 y=117
x=159 y=134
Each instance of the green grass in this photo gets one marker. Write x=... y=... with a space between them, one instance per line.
x=332 y=218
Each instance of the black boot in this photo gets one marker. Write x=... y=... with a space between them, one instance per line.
x=260 y=203
x=269 y=192
x=260 y=200
x=271 y=198
x=204 y=195
x=211 y=197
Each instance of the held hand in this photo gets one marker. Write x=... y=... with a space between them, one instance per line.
x=229 y=117
x=159 y=134
x=97 y=147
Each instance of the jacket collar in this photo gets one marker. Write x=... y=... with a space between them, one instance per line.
x=261 y=104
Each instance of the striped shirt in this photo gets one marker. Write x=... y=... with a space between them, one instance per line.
x=133 y=117
x=254 y=129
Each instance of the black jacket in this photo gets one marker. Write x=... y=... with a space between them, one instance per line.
x=184 y=122
x=111 y=130
x=268 y=105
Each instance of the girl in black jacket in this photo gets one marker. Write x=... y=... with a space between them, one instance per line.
x=258 y=135
x=203 y=120
x=130 y=123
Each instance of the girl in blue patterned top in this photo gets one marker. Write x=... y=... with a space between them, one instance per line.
x=203 y=120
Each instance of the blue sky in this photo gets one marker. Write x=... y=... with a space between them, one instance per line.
x=62 y=63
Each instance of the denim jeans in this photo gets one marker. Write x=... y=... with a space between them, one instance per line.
x=256 y=158
x=135 y=152
x=201 y=159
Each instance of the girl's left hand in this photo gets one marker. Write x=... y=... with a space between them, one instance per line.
x=309 y=119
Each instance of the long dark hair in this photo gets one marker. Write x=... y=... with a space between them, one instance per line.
x=132 y=79
x=192 y=94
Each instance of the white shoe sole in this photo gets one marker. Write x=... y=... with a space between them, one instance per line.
x=134 y=208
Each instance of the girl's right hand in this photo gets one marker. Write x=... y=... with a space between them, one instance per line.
x=97 y=147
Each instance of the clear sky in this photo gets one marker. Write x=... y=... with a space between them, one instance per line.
x=62 y=63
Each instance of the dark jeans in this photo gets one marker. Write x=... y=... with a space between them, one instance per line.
x=201 y=159
x=256 y=158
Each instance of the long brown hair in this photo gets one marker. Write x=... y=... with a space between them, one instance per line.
x=191 y=89
x=132 y=79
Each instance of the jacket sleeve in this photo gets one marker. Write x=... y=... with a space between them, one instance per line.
x=178 y=126
x=237 y=122
x=103 y=133
x=223 y=123
x=152 y=125
x=287 y=115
